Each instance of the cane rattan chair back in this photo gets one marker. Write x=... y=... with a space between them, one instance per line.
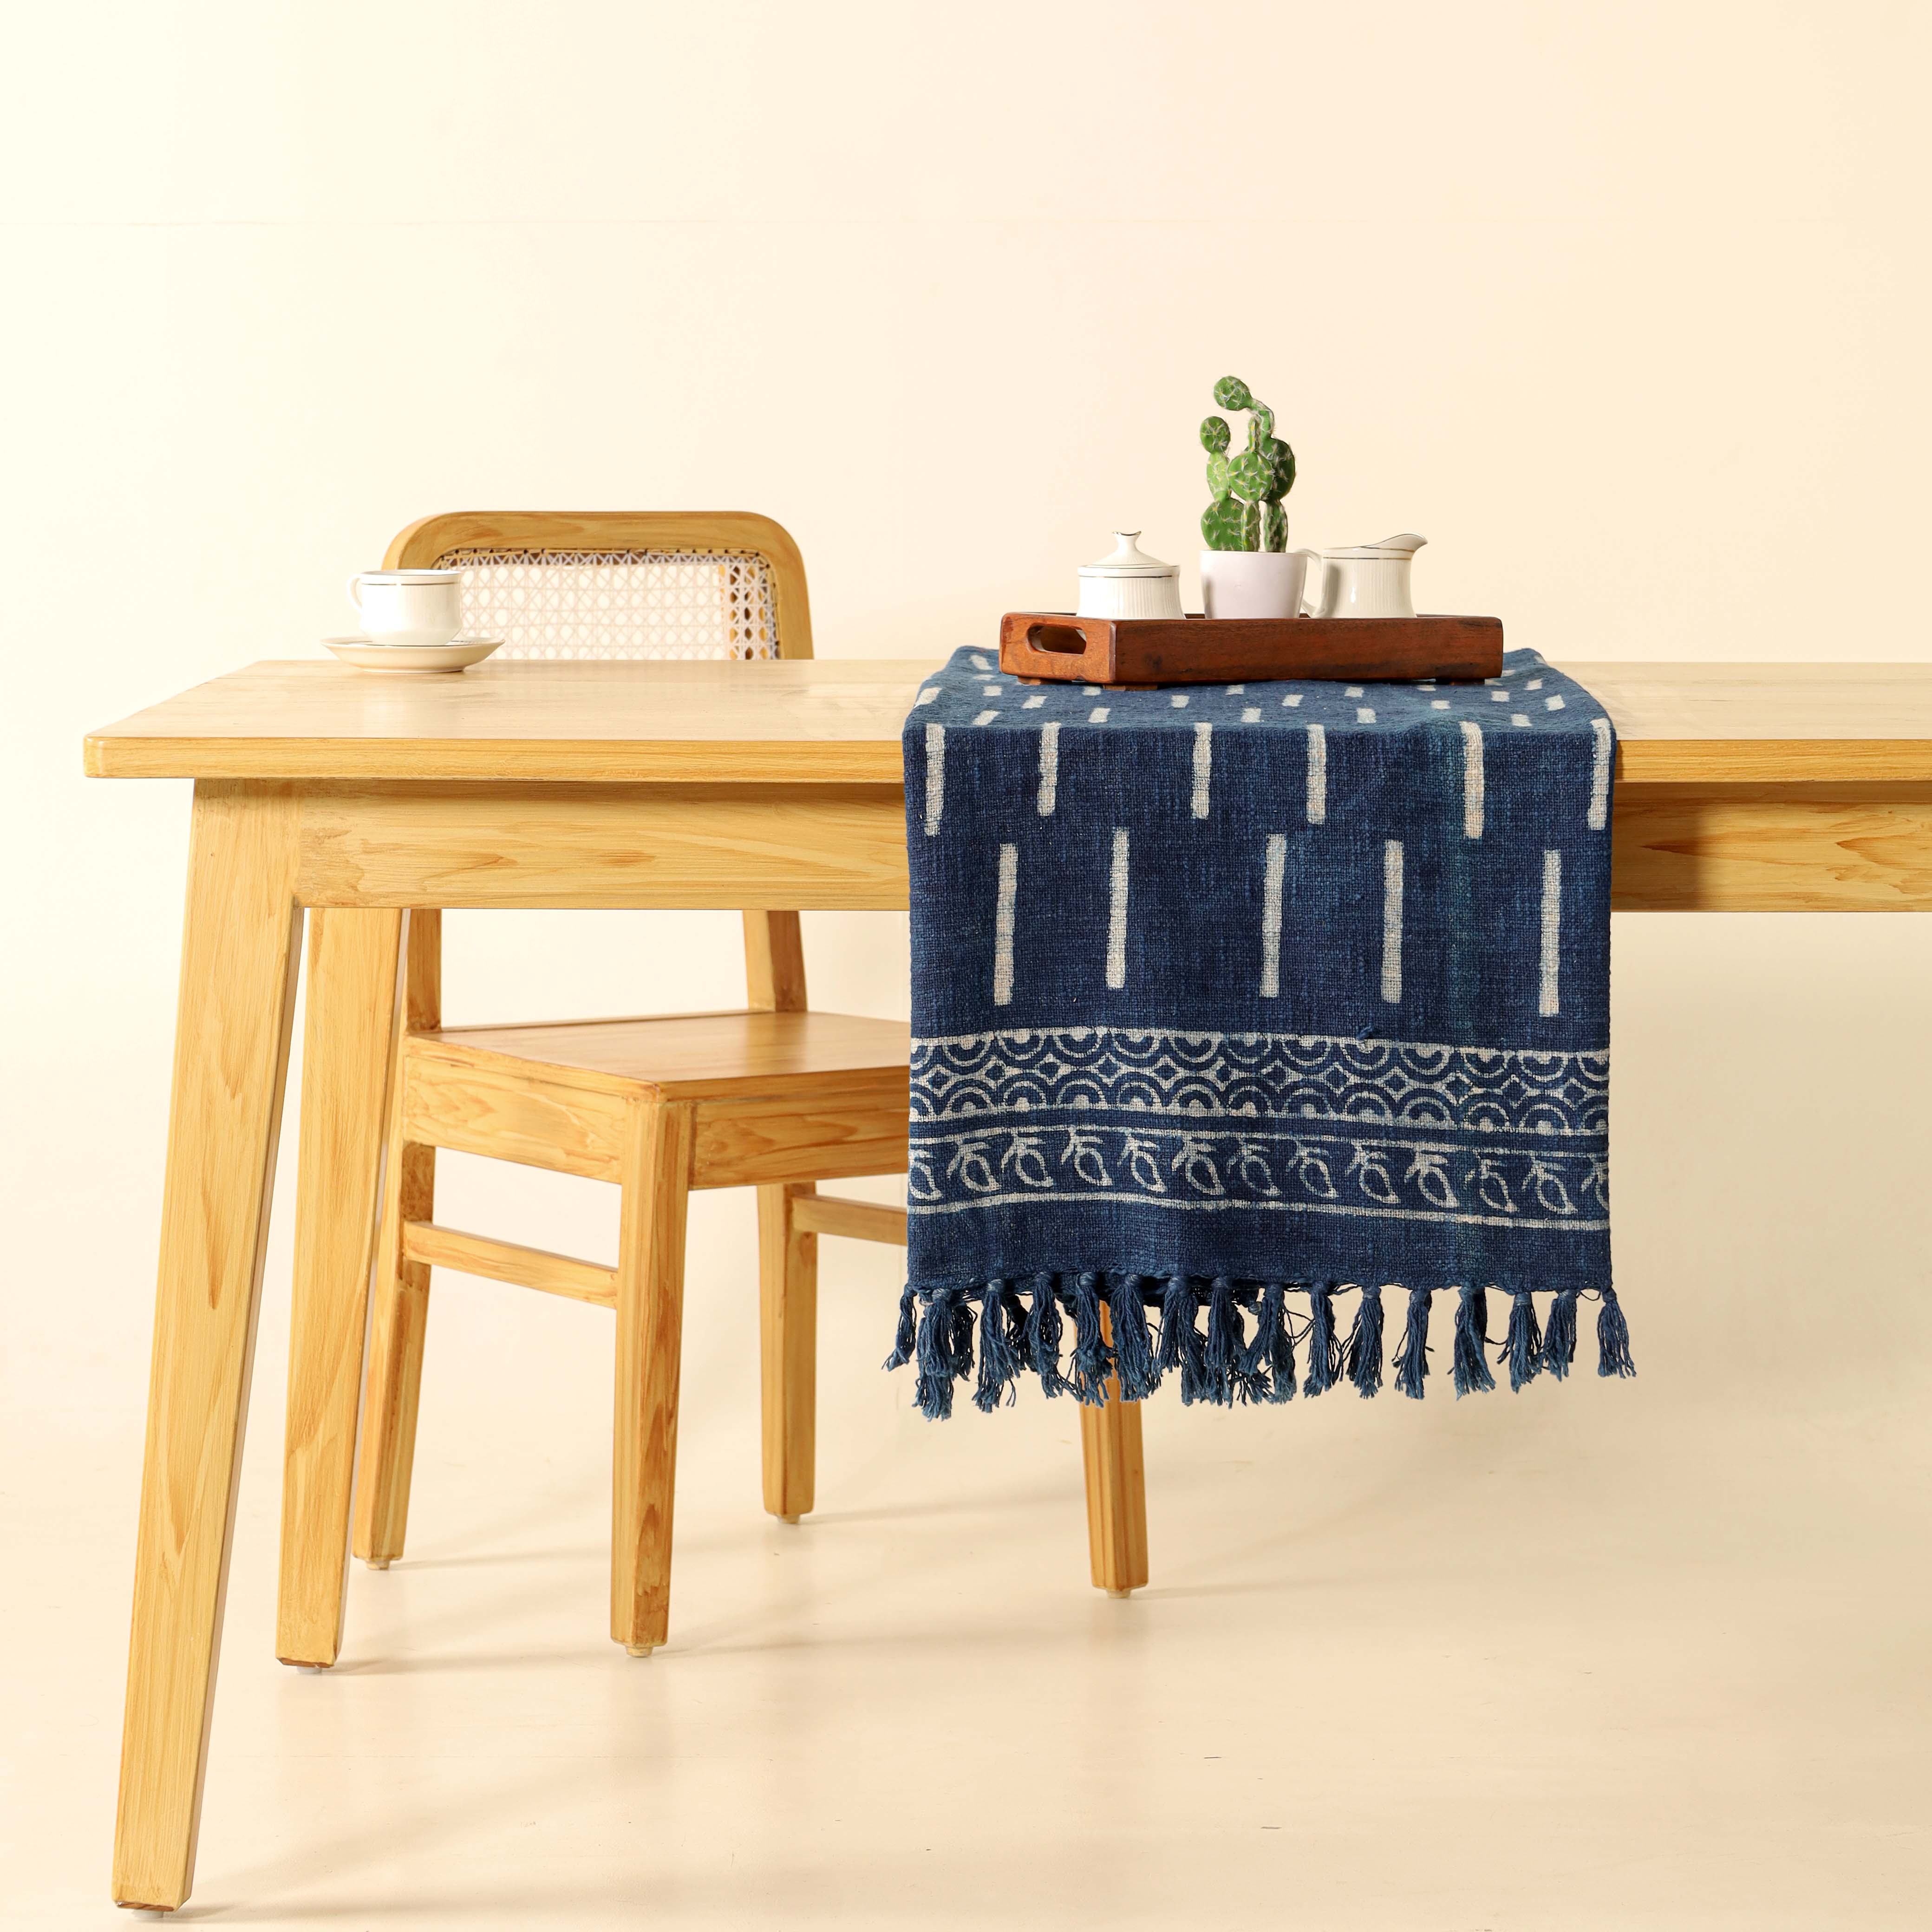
x=640 y=584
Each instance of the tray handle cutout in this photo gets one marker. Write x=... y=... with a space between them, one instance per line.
x=1062 y=640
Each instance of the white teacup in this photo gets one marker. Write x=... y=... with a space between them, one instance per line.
x=412 y=608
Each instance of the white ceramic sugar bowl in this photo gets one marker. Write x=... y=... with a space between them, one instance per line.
x=1128 y=583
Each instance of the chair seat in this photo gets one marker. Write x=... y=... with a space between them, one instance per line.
x=722 y=1056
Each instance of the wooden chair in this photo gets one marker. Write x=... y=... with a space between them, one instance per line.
x=775 y=1096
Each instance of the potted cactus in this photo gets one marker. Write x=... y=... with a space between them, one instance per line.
x=1247 y=569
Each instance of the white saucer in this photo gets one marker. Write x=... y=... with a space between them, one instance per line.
x=457 y=655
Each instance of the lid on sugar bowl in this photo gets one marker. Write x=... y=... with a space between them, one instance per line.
x=1128 y=583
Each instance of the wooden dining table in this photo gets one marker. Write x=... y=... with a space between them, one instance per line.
x=322 y=791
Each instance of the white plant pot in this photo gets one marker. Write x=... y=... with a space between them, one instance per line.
x=1253 y=582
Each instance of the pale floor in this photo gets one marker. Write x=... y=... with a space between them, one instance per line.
x=1596 y=1657
x=1652 y=1654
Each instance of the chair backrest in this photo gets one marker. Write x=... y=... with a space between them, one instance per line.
x=717 y=583
x=644 y=584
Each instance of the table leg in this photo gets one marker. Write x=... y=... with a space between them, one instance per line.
x=240 y=953
x=348 y=1044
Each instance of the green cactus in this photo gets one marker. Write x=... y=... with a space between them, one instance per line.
x=1246 y=512
x=1227 y=523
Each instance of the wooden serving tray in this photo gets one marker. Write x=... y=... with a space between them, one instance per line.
x=1198 y=650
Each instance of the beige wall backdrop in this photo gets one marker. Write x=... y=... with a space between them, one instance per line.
x=1626 y=308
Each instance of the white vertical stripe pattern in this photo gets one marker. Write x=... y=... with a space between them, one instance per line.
x=1318 y=775
x=1472 y=780
x=1277 y=855
x=1049 y=768
x=1117 y=913
x=1204 y=766
x=935 y=776
x=1003 y=925
x=1553 y=931
x=1392 y=920
x=1600 y=776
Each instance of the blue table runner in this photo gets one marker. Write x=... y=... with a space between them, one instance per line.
x=1228 y=1001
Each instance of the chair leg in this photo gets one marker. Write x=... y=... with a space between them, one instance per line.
x=650 y=1313
x=1110 y=1446
x=393 y=1380
x=394 y=1383
x=788 y=1350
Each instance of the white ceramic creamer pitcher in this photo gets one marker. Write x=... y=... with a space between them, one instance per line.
x=1365 y=580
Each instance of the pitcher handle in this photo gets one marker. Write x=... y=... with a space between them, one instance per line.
x=1317 y=573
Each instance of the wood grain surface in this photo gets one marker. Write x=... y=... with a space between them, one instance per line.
x=347 y=1046
x=1760 y=848
x=707 y=1056
x=650 y=1318
x=399 y=1293
x=1115 y=1468
x=1055 y=646
x=856 y=1220
x=474 y=1104
x=588 y=845
x=240 y=951
x=540 y=1268
x=838 y=722
x=788 y=1350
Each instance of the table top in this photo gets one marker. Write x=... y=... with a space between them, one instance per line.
x=837 y=721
